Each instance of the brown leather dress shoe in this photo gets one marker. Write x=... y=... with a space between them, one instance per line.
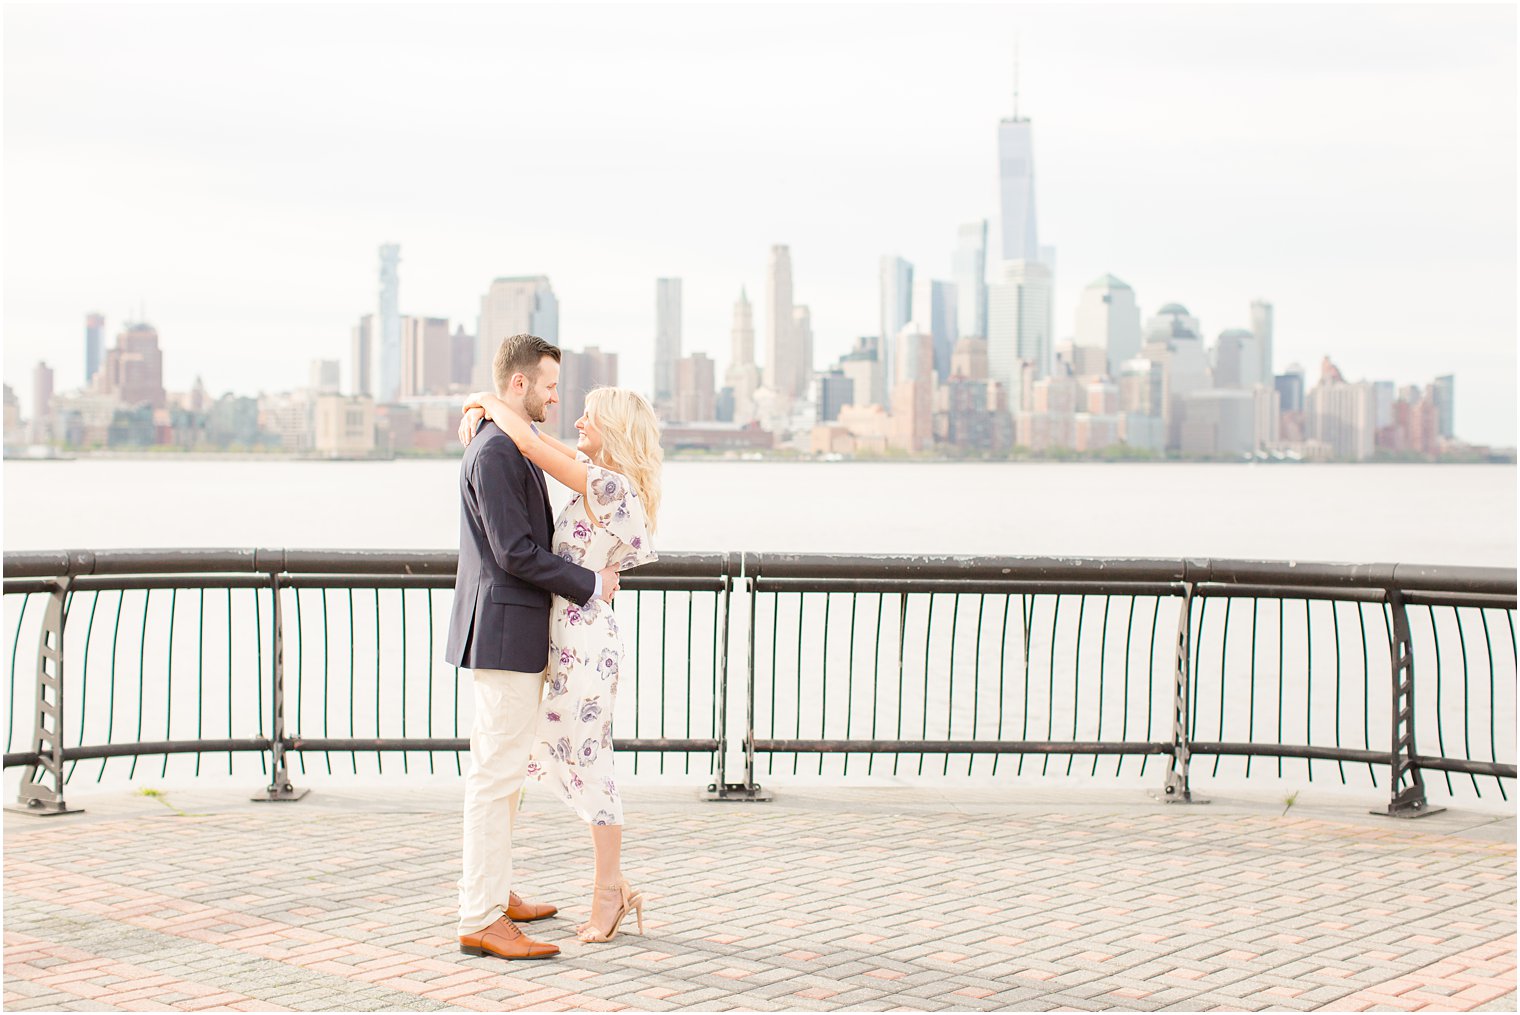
x=503 y=940
x=519 y=911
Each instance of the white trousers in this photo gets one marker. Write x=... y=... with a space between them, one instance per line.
x=506 y=714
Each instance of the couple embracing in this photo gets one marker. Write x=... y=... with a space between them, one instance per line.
x=532 y=621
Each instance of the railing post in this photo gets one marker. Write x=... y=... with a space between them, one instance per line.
x=719 y=787
x=748 y=789
x=1176 y=789
x=280 y=786
x=34 y=796
x=1406 y=785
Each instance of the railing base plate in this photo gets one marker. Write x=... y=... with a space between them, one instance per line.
x=736 y=791
x=43 y=809
x=1412 y=811
x=279 y=794
x=1177 y=798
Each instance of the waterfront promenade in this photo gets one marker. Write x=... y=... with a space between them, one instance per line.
x=863 y=897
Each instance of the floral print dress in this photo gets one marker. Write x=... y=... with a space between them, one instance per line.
x=572 y=748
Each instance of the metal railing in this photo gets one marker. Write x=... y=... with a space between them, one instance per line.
x=1068 y=665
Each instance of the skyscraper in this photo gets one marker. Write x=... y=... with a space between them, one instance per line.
x=743 y=376
x=862 y=366
x=94 y=325
x=934 y=312
x=1290 y=388
x=802 y=344
x=1261 y=327
x=695 y=389
x=782 y=357
x=1016 y=185
x=1445 y=390
x=971 y=279
x=896 y=310
x=325 y=376
x=426 y=351
x=1108 y=319
x=133 y=370
x=42 y=403
x=667 y=337
x=513 y=306
x=1019 y=323
x=388 y=323
x=362 y=357
x=461 y=357
x=1236 y=359
x=1341 y=414
x=579 y=374
x=1174 y=338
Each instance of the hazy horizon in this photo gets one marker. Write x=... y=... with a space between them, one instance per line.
x=234 y=168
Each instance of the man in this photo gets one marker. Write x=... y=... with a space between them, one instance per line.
x=499 y=630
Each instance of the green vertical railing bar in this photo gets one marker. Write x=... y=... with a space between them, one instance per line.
x=849 y=692
x=1050 y=694
x=1467 y=752
x=928 y=639
x=1493 y=743
x=379 y=676
x=1282 y=633
x=200 y=674
x=1361 y=623
x=1224 y=645
x=229 y=677
x=326 y=704
x=111 y=703
x=10 y=733
x=1335 y=623
x=823 y=682
x=1076 y=679
x=432 y=769
x=1150 y=682
x=1129 y=631
x=1308 y=685
x=405 y=755
x=976 y=679
x=258 y=671
x=84 y=683
x=169 y=683
x=1002 y=671
x=1251 y=713
x=1027 y=607
x=300 y=679
x=876 y=674
x=1102 y=658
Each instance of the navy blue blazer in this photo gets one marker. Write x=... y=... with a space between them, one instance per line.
x=507 y=565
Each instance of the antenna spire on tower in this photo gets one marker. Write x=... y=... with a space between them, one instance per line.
x=1015 y=75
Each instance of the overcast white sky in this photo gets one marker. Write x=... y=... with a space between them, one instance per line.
x=235 y=168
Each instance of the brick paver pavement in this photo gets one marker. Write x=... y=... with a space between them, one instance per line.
x=859 y=897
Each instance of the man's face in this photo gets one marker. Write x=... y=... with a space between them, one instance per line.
x=542 y=391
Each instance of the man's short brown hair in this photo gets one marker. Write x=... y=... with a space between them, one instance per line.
x=520 y=354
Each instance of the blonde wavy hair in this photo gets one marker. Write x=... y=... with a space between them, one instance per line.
x=630 y=441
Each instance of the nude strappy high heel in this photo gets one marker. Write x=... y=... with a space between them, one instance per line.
x=628 y=899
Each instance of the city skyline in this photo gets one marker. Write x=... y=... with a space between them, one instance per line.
x=1191 y=228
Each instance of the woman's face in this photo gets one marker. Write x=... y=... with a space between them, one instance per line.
x=590 y=440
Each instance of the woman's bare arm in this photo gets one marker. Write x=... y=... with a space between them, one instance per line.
x=474 y=410
x=543 y=452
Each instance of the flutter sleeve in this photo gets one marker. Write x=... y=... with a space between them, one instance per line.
x=615 y=505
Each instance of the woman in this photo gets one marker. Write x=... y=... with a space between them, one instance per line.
x=614 y=473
